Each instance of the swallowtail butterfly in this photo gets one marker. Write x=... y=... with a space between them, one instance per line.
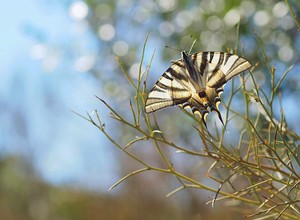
x=196 y=81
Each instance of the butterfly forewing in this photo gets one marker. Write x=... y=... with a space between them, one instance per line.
x=235 y=66
x=172 y=88
x=216 y=68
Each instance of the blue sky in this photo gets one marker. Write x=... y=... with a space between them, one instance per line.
x=37 y=121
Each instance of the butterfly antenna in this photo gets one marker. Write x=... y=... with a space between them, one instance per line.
x=190 y=51
x=172 y=48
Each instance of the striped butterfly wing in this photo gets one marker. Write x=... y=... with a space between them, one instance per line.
x=172 y=88
x=196 y=81
x=216 y=69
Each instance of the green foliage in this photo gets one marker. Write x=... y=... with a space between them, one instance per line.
x=293 y=14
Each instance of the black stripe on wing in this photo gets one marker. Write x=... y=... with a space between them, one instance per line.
x=170 y=89
x=225 y=66
x=216 y=68
x=238 y=66
x=203 y=63
x=191 y=72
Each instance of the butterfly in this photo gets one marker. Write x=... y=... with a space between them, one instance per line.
x=196 y=81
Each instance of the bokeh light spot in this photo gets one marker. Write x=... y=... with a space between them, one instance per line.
x=141 y=14
x=167 y=5
x=183 y=19
x=78 y=10
x=280 y=9
x=106 y=32
x=261 y=18
x=232 y=17
x=166 y=29
x=248 y=8
x=214 y=23
x=134 y=70
x=286 y=53
x=39 y=51
x=50 y=63
x=84 y=63
x=120 y=48
x=286 y=22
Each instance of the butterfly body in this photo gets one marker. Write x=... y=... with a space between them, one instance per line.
x=196 y=82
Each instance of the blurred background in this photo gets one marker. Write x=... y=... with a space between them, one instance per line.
x=57 y=54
